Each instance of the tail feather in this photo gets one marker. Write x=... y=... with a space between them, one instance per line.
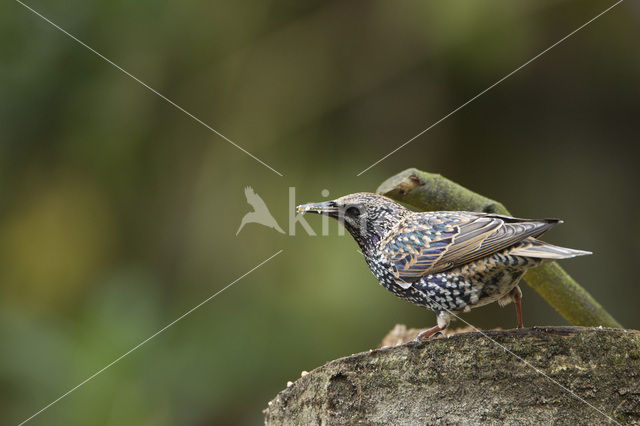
x=541 y=250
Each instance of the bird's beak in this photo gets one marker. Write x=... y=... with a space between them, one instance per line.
x=327 y=207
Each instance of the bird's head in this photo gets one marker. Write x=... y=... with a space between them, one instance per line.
x=368 y=217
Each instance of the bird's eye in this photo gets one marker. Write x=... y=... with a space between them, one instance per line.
x=353 y=212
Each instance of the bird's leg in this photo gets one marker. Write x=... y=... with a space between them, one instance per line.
x=517 y=300
x=515 y=296
x=430 y=332
x=443 y=319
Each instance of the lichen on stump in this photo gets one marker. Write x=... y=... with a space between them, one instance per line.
x=467 y=378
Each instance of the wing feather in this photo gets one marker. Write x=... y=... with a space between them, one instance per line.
x=428 y=243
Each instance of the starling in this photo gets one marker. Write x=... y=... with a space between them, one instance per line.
x=446 y=261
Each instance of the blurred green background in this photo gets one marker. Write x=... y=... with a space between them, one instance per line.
x=118 y=213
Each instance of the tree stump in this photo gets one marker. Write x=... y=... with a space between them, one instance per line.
x=590 y=376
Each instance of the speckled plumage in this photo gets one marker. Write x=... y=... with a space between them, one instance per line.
x=448 y=262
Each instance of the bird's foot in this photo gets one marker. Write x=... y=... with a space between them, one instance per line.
x=430 y=333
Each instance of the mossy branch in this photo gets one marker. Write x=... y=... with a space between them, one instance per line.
x=432 y=192
x=467 y=379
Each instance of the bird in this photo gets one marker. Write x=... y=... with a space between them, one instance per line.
x=447 y=261
x=260 y=213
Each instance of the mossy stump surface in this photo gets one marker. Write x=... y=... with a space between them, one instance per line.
x=468 y=378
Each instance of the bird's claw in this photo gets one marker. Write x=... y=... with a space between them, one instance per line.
x=430 y=333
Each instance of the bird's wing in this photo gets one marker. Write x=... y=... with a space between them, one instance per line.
x=427 y=243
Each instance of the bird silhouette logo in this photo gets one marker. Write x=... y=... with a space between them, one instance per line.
x=260 y=213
